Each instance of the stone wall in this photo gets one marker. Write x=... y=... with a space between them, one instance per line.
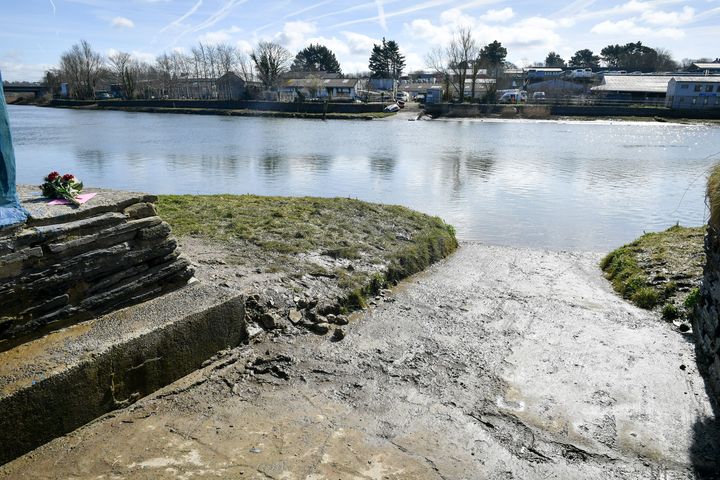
x=256 y=105
x=68 y=264
x=707 y=327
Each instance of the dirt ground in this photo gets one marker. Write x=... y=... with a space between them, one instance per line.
x=496 y=363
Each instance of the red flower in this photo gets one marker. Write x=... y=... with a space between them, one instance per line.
x=52 y=176
x=67 y=177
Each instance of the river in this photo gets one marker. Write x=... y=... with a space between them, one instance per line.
x=551 y=184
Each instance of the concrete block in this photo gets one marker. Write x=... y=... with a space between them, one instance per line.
x=54 y=384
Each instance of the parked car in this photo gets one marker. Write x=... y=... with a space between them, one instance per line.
x=539 y=97
x=420 y=98
x=513 y=97
x=403 y=96
x=392 y=108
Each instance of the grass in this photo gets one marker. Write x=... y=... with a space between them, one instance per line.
x=712 y=196
x=660 y=270
x=363 y=246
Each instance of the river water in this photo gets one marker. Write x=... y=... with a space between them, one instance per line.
x=558 y=185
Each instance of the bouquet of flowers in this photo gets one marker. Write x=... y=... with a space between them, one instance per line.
x=62 y=186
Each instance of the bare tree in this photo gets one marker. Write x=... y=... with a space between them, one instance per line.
x=271 y=59
x=245 y=66
x=456 y=60
x=82 y=67
x=127 y=72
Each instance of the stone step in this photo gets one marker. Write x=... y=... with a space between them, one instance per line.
x=57 y=383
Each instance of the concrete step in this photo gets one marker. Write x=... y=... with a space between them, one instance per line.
x=57 y=383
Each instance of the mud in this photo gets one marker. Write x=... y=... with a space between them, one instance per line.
x=497 y=363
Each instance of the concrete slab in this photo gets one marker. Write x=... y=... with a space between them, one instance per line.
x=41 y=213
x=52 y=385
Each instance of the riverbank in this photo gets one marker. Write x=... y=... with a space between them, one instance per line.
x=239 y=113
x=497 y=362
x=660 y=270
x=312 y=259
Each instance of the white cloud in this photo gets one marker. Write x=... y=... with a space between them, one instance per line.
x=220 y=36
x=498 y=15
x=294 y=34
x=122 y=22
x=359 y=43
x=17 y=71
x=629 y=27
x=660 y=17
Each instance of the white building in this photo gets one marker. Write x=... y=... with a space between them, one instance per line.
x=693 y=92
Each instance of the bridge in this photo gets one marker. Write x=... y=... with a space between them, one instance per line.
x=37 y=90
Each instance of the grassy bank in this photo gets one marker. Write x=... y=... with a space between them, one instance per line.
x=360 y=247
x=241 y=113
x=659 y=270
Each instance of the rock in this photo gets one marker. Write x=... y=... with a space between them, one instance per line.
x=331 y=318
x=341 y=320
x=268 y=321
x=295 y=316
x=338 y=334
x=140 y=210
x=319 y=328
x=296 y=300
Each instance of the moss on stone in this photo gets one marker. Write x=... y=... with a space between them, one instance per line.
x=363 y=246
x=662 y=268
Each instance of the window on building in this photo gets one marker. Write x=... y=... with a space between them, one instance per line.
x=708 y=88
x=698 y=88
x=694 y=101
x=684 y=86
x=705 y=101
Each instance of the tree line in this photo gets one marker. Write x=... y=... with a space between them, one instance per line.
x=629 y=57
x=179 y=74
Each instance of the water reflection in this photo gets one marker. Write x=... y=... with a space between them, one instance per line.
x=543 y=184
x=382 y=165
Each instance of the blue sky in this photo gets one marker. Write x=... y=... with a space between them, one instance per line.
x=33 y=33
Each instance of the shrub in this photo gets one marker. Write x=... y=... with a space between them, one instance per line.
x=670 y=312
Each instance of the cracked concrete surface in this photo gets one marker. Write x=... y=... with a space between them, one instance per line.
x=497 y=363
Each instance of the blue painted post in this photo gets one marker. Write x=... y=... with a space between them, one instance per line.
x=10 y=210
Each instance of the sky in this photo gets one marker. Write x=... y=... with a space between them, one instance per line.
x=34 y=33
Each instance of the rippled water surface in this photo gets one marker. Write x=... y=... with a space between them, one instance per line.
x=560 y=185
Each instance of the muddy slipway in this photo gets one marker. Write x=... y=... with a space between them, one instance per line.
x=497 y=363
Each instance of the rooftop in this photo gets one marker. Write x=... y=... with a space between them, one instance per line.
x=707 y=66
x=318 y=82
x=698 y=79
x=634 y=83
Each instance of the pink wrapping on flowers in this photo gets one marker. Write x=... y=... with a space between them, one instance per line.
x=80 y=198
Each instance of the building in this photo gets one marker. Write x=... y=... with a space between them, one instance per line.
x=693 y=92
x=232 y=87
x=705 y=68
x=316 y=87
x=633 y=88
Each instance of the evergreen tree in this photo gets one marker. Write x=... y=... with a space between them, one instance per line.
x=554 y=60
x=585 y=58
x=316 y=58
x=386 y=61
x=493 y=56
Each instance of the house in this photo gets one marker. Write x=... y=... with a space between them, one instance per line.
x=317 y=87
x=231 y=87
x=705 y=68
x=387 y=84
x=693 y=92
x=633 y=88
